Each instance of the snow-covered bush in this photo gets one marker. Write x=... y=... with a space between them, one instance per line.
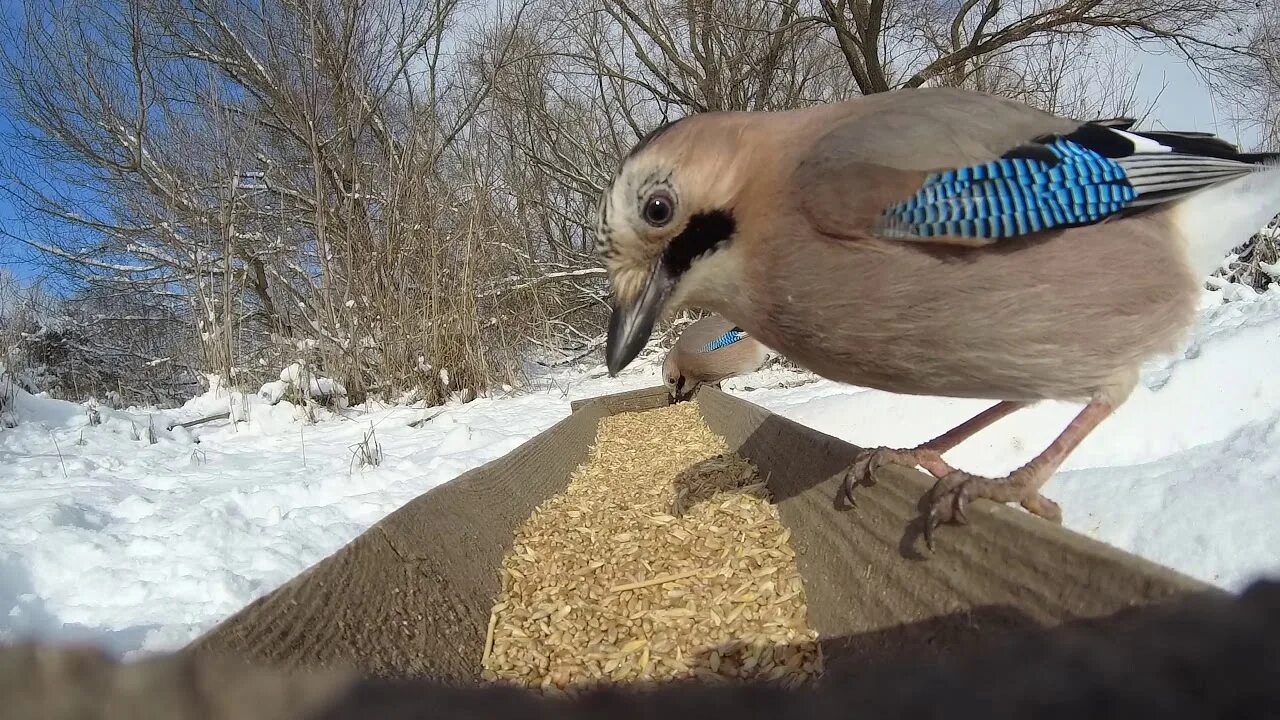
x=120 y=349
x=21 y=309
x=8 y=395
x=300 y=385
x=1256 y=263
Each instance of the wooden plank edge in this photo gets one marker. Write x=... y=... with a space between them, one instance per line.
x=646 y=398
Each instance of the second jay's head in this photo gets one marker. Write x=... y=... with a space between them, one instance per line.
x=674 y=378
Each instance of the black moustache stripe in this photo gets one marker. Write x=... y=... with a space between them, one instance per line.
x=705 y=233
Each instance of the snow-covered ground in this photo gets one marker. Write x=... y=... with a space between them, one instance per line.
x=140 y=546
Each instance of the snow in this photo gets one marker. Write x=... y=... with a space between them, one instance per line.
x=140 y=546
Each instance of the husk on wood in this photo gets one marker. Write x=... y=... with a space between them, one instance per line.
x=661 y=559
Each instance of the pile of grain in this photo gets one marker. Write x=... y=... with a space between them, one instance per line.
x=662 y=559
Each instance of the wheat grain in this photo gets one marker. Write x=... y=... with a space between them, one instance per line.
x=661 y=559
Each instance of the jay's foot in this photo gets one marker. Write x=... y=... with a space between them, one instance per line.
x=949 y=497
x=867 y=462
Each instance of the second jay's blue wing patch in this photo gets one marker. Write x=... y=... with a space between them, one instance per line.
x=730 y=337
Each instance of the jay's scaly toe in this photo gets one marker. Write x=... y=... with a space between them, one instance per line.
x=950 y=496
x=868 y=461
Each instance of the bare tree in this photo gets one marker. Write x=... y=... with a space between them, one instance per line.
x=904 y=45
x=1257 y=87
x=300 y=173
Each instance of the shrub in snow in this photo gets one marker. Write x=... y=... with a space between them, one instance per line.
x=298 y=383
x=76 y=349
x=9 y=390
x=367 y=452
x=7 y=417
x=1256 y=263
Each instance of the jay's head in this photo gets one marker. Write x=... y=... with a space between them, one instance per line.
x=665 y=224
x=678 y=384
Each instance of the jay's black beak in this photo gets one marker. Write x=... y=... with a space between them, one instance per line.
x=631 y=324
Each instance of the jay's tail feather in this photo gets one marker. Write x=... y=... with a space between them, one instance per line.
x=1219 y=218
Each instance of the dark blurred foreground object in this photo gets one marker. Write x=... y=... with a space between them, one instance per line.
x=1208 y=657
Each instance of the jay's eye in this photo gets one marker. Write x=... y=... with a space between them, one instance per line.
x=659 y=209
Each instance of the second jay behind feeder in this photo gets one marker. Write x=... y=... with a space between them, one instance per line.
x=709 y=351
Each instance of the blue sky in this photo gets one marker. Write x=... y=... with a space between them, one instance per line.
x=13 y=255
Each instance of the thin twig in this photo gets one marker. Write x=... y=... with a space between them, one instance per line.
x=60 y=460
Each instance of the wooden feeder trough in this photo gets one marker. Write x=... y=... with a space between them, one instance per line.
x=412 y=596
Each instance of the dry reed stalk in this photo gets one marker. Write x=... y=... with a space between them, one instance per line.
x=662 y=559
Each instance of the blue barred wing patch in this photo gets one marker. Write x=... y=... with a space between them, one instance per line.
x=729 y=338
x=1015 y=195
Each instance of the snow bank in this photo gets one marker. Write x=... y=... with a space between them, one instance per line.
x=140 y=547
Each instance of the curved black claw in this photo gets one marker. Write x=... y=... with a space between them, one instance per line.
x=848 y=483
x=948 y=499
x=863 y=470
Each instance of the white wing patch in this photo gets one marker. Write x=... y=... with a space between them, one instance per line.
x=1142 y=145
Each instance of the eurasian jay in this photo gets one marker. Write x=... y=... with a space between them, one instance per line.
x=708 y=351
x=934 y=242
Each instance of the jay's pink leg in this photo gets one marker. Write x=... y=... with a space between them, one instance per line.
x=948 y=498
x=927 y=455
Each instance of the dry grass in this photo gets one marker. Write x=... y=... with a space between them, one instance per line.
x=662 y=559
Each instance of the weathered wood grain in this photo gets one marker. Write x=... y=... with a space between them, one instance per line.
x=411 y=596
x=630 y=401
